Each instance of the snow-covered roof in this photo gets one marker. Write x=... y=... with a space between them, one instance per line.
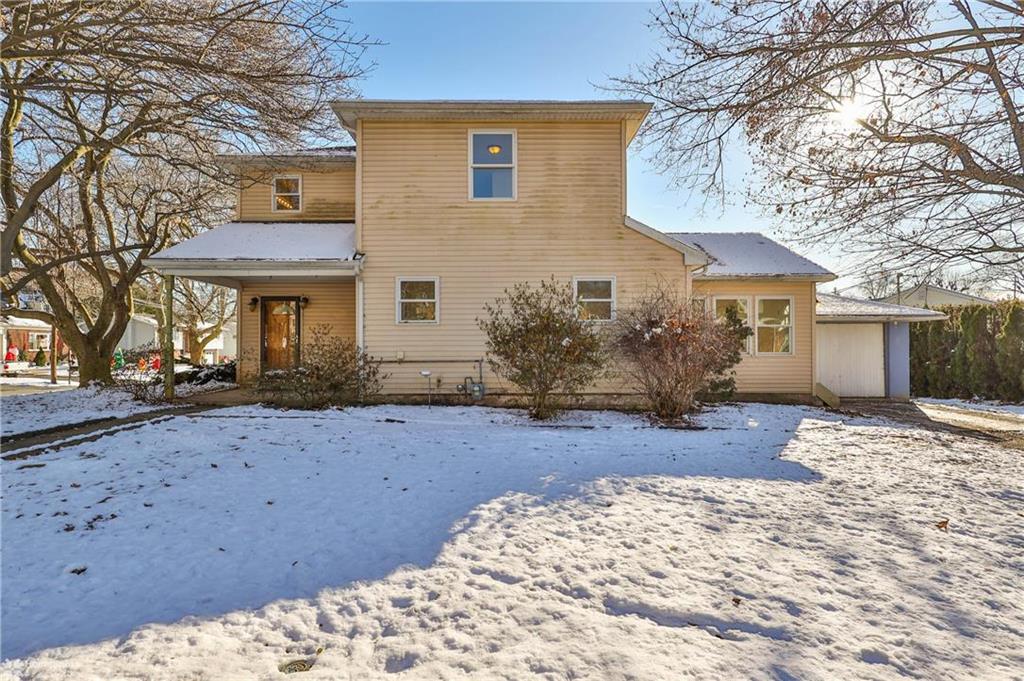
x=841 y=308
x=331 y=154
x=750 y=254
x=268 y=242
x=12 y=321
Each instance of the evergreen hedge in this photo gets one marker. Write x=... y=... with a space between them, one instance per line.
x=977 y=352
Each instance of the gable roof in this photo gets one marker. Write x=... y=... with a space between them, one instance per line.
x=633 y=112
x=834 y=308
x=735 y=255
x=925 y=289
x=694 y=256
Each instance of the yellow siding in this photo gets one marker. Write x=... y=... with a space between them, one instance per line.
x=788 y=374
x=331 y=303
x=417 y=220
x=326 y=195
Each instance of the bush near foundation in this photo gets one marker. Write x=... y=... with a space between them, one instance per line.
x=332 y=372
x=537 y=340
x=672 y=350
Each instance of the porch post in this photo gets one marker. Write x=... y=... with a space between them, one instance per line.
x=167 y=342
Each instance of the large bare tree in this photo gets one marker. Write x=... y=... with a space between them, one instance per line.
x=81 y=78
x=890 y=128
x=85 y=244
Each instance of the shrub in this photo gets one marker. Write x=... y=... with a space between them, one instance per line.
x=1010 y=354
x=40 y=359
x=537 y=341
x=673 y=350
x=135 y=375
x=332 y=372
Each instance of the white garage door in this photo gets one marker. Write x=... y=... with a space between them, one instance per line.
x=851 y=359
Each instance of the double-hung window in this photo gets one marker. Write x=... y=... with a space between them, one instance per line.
x=416 y=300
x=492 y=165
x=286 y=194
x=774 y=326
x=741 y=305
x=596 y=297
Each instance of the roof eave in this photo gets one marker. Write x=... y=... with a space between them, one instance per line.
x=350 y=111
x=694 y=256
x=817 y=278
x=846 y=318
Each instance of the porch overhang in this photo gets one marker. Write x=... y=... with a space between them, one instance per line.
x=235 y=273
x=238 y=252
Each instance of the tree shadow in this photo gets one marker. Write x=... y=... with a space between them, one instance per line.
x=211 y=513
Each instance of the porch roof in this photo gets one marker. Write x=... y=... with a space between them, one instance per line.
x=234 y=251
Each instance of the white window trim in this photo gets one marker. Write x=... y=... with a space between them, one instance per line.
x=514 y=166
x=399 y=300
x=274 y=194
x=751 y=310
x=613 y=300
x=792 y=326
x=44 y=345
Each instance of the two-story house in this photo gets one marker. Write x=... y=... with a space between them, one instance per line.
x=399 y=241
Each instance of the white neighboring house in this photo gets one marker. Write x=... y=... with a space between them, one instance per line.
x=930 y=295
x=140 y=330
x=223 y=347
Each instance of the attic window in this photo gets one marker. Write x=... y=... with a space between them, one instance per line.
x=287 y=194
x=492 y=165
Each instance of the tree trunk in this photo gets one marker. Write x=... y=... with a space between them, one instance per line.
x=92 y=367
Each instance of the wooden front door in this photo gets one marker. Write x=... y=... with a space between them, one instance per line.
x=280 y=332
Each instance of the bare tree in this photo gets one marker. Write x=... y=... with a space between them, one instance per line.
x=891 y=128
x=81 y=78
x=201 y=310
x=86 y=242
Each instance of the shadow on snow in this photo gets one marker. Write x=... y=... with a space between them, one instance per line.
x=205 y=515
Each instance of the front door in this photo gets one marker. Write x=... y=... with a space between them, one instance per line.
x=280 y=333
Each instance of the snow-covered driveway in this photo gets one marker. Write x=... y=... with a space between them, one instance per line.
x=781 y=543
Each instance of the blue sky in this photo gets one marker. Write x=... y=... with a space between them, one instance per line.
x=538 y=50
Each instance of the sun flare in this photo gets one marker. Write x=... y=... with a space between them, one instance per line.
x=850 y=112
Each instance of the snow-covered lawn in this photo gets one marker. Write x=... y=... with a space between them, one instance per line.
x=41 y=411
x=780 y=543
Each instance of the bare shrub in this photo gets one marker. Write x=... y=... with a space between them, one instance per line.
x=137 y=377
x=332 y=372
x=672 y=349
x=537 y=341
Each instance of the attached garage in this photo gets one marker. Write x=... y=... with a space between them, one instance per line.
x=862 y=347
x=851 y=359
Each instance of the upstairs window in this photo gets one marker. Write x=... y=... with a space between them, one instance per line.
x=774 y=326
x=492 y=165
x=596 y=296
x=416 y=300
x=287 y=194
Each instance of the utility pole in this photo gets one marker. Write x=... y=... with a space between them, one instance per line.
x=899 y=288
x=53 y=355
x=167 y=342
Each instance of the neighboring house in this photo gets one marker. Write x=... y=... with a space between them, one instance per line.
x=932 y=296
x=445 y=205
x=30 y=335
x=140 y=330
x=222 y=348
x=863 y=346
